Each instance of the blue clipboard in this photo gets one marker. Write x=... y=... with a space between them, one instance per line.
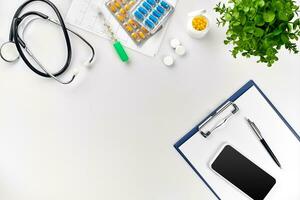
x=234 y=97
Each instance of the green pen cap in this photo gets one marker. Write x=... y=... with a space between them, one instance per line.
x=121 y=51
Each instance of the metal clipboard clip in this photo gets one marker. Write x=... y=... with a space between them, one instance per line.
x=218 y=119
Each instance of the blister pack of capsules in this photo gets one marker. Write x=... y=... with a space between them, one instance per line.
x=152 y=14
x=140 y=18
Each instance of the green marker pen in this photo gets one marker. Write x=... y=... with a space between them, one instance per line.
x=117 y=44
x=120 y=51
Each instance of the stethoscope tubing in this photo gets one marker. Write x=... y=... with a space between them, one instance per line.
x=80 y=37
x=20 y=44
x=40 y=64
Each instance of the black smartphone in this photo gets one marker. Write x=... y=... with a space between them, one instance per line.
x=242 y=173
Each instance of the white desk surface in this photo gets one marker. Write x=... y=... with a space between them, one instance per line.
x=111 y=136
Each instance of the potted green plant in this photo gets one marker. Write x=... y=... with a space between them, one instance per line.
x=260 y=27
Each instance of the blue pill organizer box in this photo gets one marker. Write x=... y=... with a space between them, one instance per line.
x=152 y=14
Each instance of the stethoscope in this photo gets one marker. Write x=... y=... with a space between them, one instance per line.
x=12 y=50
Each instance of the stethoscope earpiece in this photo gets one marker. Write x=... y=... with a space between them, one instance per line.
x=9 y=52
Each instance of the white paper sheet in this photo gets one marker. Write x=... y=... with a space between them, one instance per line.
x=83 y=14
x=237 y=132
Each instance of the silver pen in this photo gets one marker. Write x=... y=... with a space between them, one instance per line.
x=262 y=140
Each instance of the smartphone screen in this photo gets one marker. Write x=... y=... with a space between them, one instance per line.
x=243 y=173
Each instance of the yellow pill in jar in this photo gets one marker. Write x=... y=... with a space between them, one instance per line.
x=142 y=35
x=112 y=7
x=199 y=23
x=120 y=17
x=133 y=23
x=128 y=27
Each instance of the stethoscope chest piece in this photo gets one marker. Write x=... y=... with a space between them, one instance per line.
x=9 y=52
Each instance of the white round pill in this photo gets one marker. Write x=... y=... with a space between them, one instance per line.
x=168 y=60
x=174 y=43
x=180 y=50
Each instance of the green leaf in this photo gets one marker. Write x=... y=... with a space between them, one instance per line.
x=261 y=3
x=227 y=17
x=269 y=16
x=292 y=36
x=258 y=32
x=279 y=5
x=284 y=38
x=246 y=9
x=290 y=27
x=271 y=52
x=252 y=12
x=249 y=29
x=283 y=16
x=259 y=20
x=296 y=23
x=236 y=23
x=243 y=19
x=236 y=14
x=276 y=32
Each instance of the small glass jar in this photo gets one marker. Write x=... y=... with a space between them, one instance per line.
x=198 y=24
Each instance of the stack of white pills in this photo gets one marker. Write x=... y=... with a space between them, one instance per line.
x=177 y=46
x=179 y=50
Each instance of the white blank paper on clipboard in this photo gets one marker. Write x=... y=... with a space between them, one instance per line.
x=84 y=14
x=200 y=151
